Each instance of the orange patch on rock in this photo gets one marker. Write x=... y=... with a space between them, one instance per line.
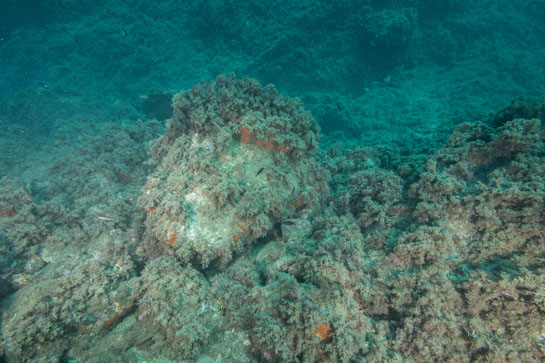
x=269 y=144
x=245 y=134
x=9 y=213
x=245 y=229
x=172 y=238
x=322 y=331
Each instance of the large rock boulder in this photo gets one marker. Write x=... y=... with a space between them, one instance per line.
x=237 y=161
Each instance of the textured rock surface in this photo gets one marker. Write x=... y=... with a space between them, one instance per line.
x=237 y=160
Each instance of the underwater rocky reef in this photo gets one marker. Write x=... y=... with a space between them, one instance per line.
x=230 y=235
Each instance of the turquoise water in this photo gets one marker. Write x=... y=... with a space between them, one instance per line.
x=394 y=213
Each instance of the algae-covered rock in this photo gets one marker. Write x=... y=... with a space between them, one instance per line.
x=237 y=159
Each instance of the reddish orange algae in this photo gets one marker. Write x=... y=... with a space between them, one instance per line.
x=172 y=238
x=322 y=331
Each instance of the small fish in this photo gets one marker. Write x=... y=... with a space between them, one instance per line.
x=28 y=196
x=259 y=172
x=339 y=107
x=104 y=218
